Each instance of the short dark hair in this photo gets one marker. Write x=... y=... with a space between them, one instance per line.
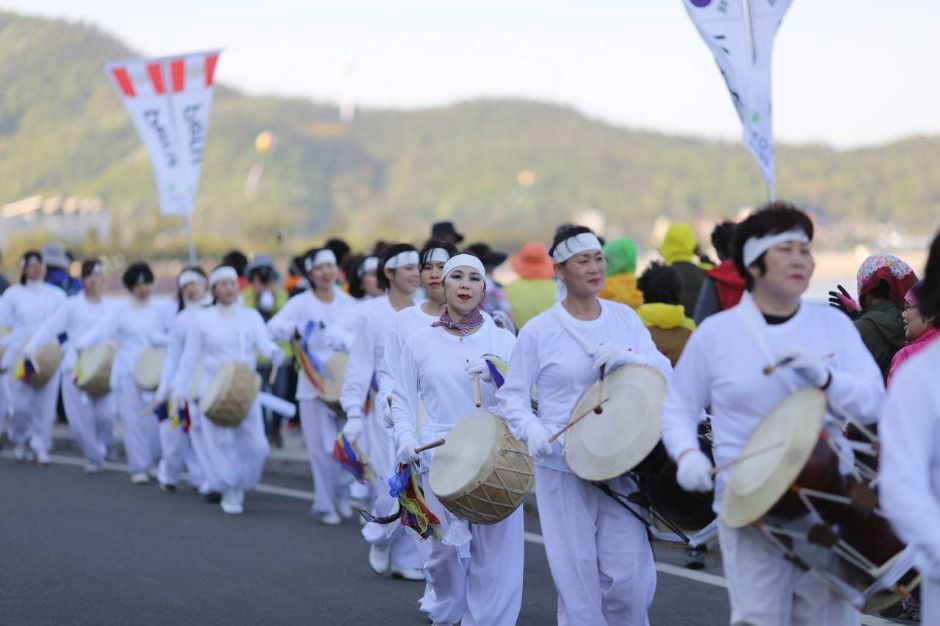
x=388 y=252
x=566 y=232
x=353 y=279
x=431 y=245
x=928 y=292
x=24 y=260
x=339 y=248
x=660 y=283
x=88 y=267
x=237 y=260
x=136 y=274
x=770 y=219
x=722 y=236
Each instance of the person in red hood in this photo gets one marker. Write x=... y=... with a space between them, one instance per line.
x=723 y=285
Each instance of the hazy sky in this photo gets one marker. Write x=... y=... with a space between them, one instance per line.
x=846 y=72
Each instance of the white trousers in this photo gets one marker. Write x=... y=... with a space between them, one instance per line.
x=930 y=601
x=382 y=458
x=176 y=454
x=141 y=438
x=197 y=441
x=767 y=590
x=484 y=589
x=91 y=419
x=4 y=401
x=33 y=413
x=236 y=454
x=330 y=481
x=598 y=553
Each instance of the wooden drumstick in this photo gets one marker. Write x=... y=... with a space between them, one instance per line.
x=741 y=459
x=272 y=376
x=477 y=392
x=576 y=420
x=600 y=391
x=769 y=369
x=433 y=444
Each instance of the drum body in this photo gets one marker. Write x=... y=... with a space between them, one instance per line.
x=482 y=474
x=47 y=360
x=336 y=374
x=148 y=367
x=94 y=366
x=230 y=394
x=608 y=444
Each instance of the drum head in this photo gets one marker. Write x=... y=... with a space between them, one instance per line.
x=333 y=383
x=756 y=484
x=606 y=445
x=148 y=367
x=92 y=360
x=47 y=360
x=217 y=386
x=461 y=463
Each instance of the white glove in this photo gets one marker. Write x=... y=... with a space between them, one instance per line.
x=406 y=450
x=694 y=471
x=537 y=439
x=808 y=366
x=387 y=414
x=337 y=339
x=480 y=367
x=353 y=428
x=611 y=356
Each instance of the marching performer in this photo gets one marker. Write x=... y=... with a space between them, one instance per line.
x=181 y=444
x=398 y=272
x=909 y=473
x=314 y=319
x=722 y=367
x=220 y=334
x=480 y=583
x=135 y=324
x=23 y=309
x=599 y=555
x=90 y=418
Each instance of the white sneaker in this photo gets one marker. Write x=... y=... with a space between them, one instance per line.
x=92 y=467
x=42 y=458
x=408 y=573
x=230 y=503
x=140 y=478
x=380 y=558
x=331 y=519
x=345 y=510
x=19 y=452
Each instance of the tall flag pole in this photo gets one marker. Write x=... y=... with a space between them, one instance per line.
x=169 y=100
x=740 y=34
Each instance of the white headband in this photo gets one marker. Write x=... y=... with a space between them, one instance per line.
x=576 y=245
x=369 y=264
x=409 y=257
x=437 y=255
x=222 y=273
x=756 y=246
x=463 y=260
x=189 y=276
x=323 y=256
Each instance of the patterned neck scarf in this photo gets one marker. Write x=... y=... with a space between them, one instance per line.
x=470 y=322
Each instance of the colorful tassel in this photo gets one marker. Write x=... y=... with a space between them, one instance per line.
x=348 y=454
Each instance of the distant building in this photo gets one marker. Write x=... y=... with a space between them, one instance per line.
x=65 y=218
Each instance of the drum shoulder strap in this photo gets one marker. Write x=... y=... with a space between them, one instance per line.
x=556 y=311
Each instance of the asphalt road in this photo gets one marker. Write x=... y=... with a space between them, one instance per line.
x=97 y=550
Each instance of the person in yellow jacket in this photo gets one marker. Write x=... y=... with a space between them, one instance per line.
x=534 y=290
x=620 y=284
x=661 y=312
x=679 y=249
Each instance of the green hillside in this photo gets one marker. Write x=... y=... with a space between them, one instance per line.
x=63 y=130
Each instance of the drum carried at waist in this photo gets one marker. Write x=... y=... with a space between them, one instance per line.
x=788 y=484
x=482 y=473
x=46 y=362
x=148 y=367
x=230 y=394
x=93 y=370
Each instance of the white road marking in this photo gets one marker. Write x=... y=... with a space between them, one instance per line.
x=299 y=494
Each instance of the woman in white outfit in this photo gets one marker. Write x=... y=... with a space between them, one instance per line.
x=599 y=554
x=479 y=583
x=181 y=444
x=398 y=271
x=722 y=368
x=227 y=332
x=23 y=309
x=135 y=324
x=91 y=419
x=909 y=472
x=317 y=318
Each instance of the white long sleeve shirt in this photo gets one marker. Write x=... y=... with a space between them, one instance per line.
x=373 y=320
x=134 y=327
x=23 y=308
x=406 y=323
x=909 y=484
x=218 y=335
x=433 y=369
x=546 y=355
x=303 y=308
x=177 y=339
x=74 y=319
x=722 y=367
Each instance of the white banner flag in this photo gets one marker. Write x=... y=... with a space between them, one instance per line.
x=169 y=101
x=740 y=34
